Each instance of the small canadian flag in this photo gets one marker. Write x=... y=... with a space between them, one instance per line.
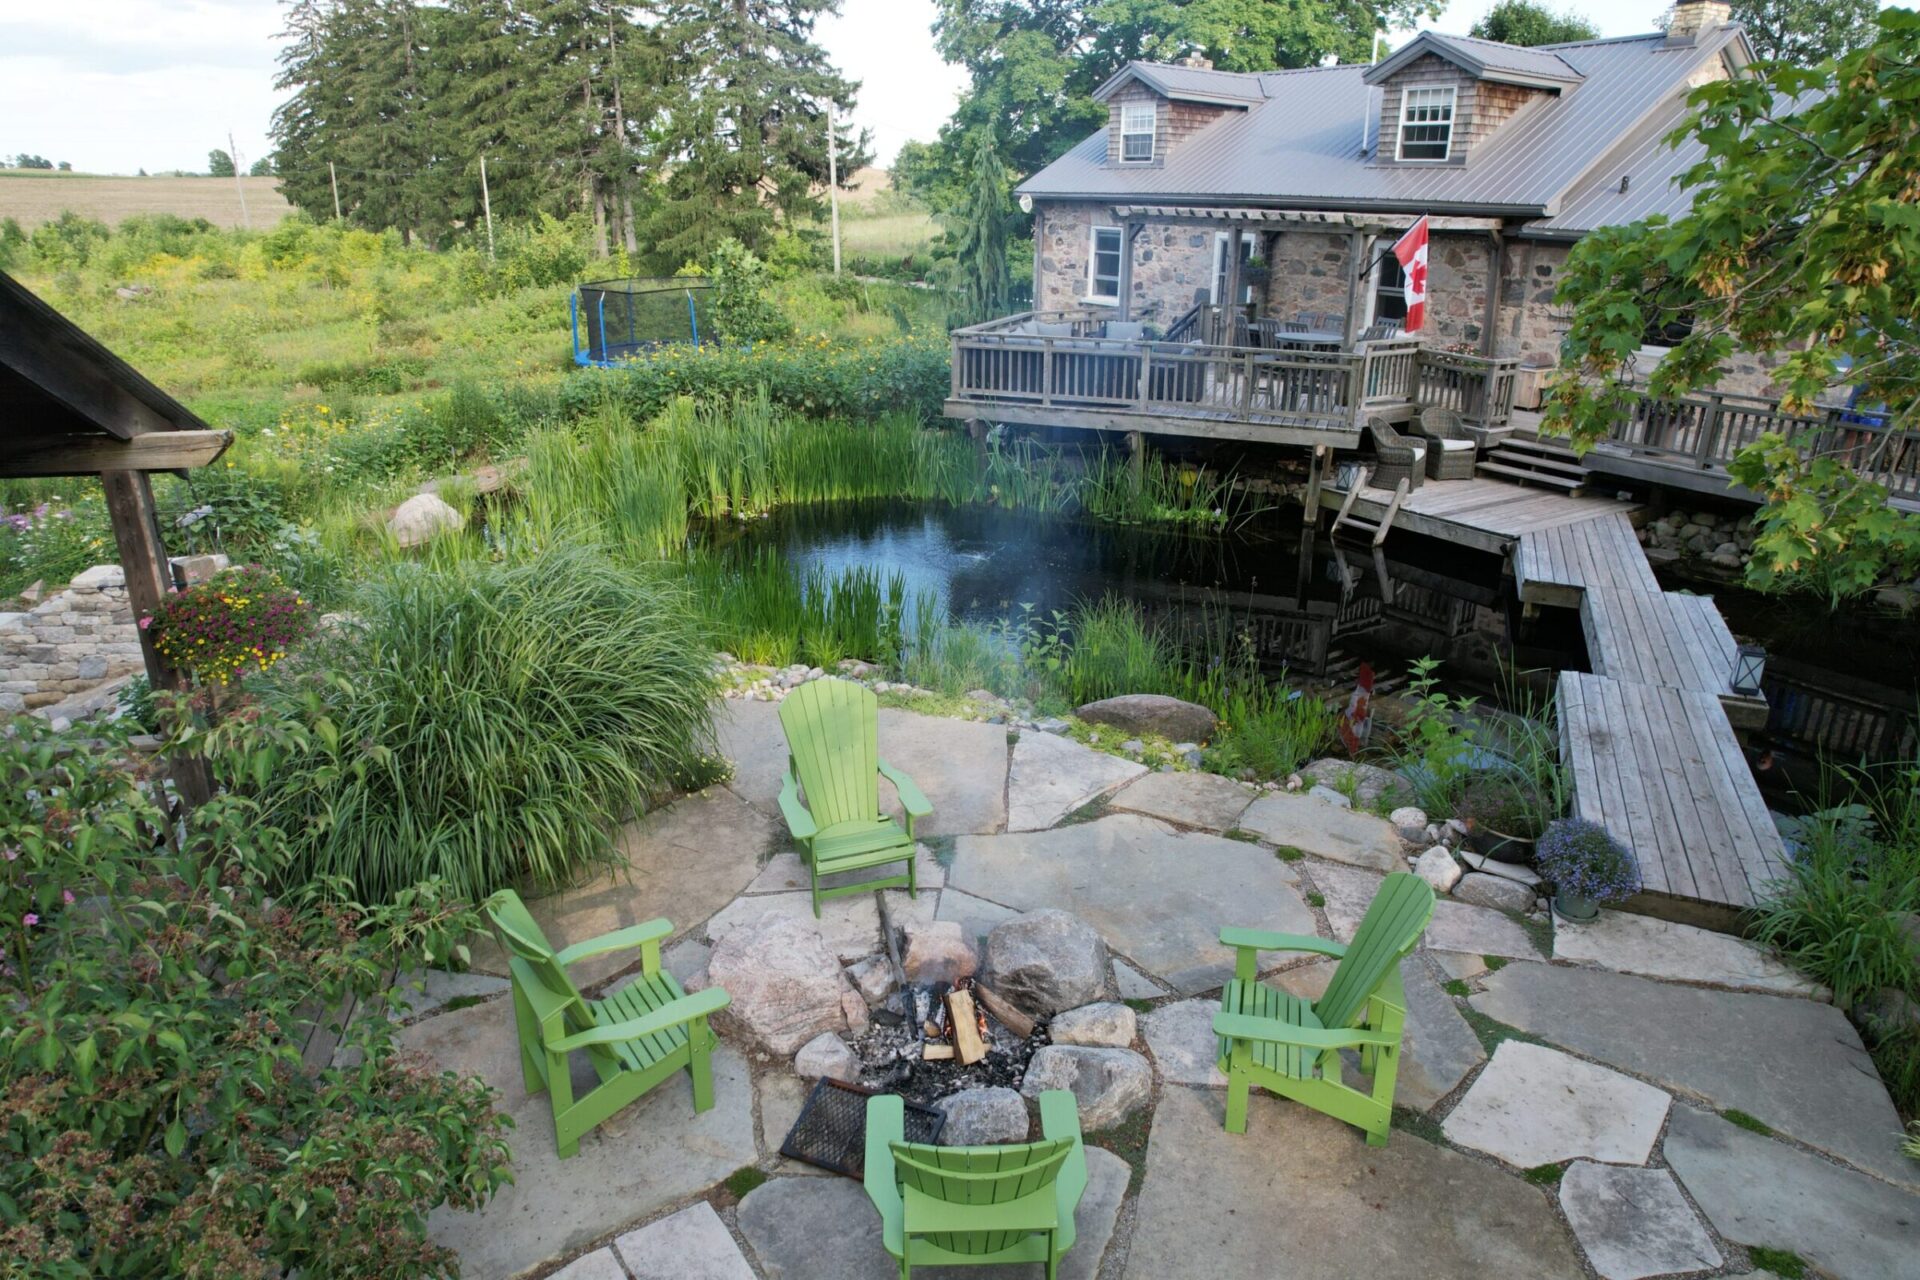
x=1411 y=251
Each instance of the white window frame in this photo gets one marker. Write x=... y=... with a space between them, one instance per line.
x=1250 y=247
x=1119 y=250
x=1136 y=110
x=1434 y=94
x=1388 y=279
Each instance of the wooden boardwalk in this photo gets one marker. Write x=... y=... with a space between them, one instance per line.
x=1557 y=565
x=1488 y=515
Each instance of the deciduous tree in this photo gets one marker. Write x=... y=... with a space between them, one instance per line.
x=1806 y=31
x=1524 y=22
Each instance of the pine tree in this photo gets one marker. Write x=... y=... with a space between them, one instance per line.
x=980 y=235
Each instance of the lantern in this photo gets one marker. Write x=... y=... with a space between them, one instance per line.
x=1749 y=665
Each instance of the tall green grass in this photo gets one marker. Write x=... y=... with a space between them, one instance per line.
x=761 y=612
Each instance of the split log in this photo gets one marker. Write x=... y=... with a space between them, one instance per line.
x=1009 y=1017
x=936 y=1052
x=964 y=1025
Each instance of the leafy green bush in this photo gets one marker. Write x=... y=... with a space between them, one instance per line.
x=487 y=722
x=1271 y=730
x=160 y=1121
x=741 y=307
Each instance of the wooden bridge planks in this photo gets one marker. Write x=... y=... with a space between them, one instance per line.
x=1660 y=768
x=1557 y=565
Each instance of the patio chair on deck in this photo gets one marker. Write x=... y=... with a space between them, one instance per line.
x=1450 y=448
x=1401 y=457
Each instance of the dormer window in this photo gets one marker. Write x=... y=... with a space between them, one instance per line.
x=1137 y=123
x=1426 y=122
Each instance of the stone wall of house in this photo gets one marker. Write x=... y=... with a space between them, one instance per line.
x=69 y=642
x=1172 y=262
x=1309 y=272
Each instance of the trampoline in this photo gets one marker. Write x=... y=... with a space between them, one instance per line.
x=615 y=320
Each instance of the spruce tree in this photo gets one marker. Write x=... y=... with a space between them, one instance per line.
x=979 y=235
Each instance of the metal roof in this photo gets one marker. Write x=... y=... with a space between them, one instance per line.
x=1187 y=84
x=1486 y=59
x=1301 y=145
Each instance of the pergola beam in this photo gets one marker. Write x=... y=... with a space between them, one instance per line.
x=90 y=455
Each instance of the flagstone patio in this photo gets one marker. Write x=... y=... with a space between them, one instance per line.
x=1646 y=1031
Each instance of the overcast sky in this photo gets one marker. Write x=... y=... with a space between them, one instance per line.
x=119 y=85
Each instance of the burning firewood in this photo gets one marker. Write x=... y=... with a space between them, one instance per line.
x=934 y=1052
x=1008 y=1016
x=964 y=1022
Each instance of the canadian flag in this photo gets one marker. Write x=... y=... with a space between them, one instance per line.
x=1411 y=251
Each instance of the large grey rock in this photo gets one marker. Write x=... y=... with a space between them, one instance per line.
x=826 y=1229
x=1051 y=776
x=1534 y=1106
x=1152 y=713
x=652 y=1154
x=1301 y=1194
x=1758 y=1191
x=421 y=518
x=1108 y=1084
x=984 y=1117
x=1157 y=895
x=1437 y=1048
x=1372 y=785
x=1456 y=926
x=1655 y=948
x=425 y=991
x=787 y=987
x=1046 y=961
x=1106 y=1023
x=1203 y=800
x=938 y=951
x=1437 y=867
x=1634 y=1223
x=849 y=927
x=1133 y=984
x=872 y=977
x=1795 y=1064
x=1324 y=830
x=827 y=1055
x=692 y=1244
x=1484 y=890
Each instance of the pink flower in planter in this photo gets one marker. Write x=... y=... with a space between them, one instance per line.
x=146 y=622
x=66 y=896
x=30 y=919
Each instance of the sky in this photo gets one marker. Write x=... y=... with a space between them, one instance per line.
x=156 y=84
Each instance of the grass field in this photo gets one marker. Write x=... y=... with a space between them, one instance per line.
x=34 y=196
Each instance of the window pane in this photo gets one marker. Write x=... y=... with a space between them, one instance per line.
x=1137 y=122
x=1106 y=262
x=1390 y=290
x=1426 y=123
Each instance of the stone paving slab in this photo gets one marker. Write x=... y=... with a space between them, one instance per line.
x=1325 y=830
x=1535 y=1106
x=651 y=1155
x=1159 y=897
x=426 y=991
x=1797 y=1065
x=1205 y=801
x=1634 y=1223
x=1653 y=948
x=1133 y=984
x=598 y=1265
x=786 y=873
x=714 y=819
x=781 y=1095
x=975 y=916
x=1437 y=1049
x=1456 y=926
x=692 y=1244
x=826 y=1229
x=1759 y=1191
x=1051 y=776
x=850 y=926
x=1301 y=1194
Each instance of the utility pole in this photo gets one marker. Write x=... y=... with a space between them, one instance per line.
x=486 y=203
x=238 y=185
x=833 y=185
x=334 y=179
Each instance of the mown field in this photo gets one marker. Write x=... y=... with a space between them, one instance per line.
x=34 y=196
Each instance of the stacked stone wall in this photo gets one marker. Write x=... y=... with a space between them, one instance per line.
x=69 y=642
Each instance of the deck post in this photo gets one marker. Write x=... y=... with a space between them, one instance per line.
x=1359 y=245
x=1128 y=230
x=1316 y=477
x=1496 y=256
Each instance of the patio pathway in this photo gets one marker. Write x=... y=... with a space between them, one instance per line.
x=1141 y=857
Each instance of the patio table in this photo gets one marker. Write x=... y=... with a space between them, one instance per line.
x=1312 y=340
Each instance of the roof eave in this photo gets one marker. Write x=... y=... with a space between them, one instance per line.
x=1333 y=203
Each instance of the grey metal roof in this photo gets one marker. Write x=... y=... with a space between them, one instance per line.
x=1301 y=146
x=1487 y=59
x=1186 y=84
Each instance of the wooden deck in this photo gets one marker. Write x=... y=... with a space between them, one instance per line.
x=1661 y=769
x=1669 y=639
x=1556 y=565
x=1487 y=515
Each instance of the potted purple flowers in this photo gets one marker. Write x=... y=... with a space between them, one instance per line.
x=1586 y=867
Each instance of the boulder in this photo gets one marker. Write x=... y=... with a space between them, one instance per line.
x=872 y=977
x=938 y=951
x=1152 y=713
x=827 y=1055
x=1327 y=795
x=1411 y=823
x=1371 y=782
x=1108 y=1024
x=1046 y=961
x=787 y=987
x=1108 y=1084
x=1437 y=867
x=1484 y=890
x=984 y=1117
x=422 y=517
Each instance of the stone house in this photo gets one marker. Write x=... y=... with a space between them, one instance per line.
x=1308 y=175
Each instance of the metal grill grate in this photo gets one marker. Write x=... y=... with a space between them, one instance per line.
x=832 y=1129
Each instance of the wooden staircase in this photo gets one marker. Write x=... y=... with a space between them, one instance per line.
x=1369 y=533
x=1545 y=463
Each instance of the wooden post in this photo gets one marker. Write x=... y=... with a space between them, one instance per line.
x=1231 y=302
x=1496 y=256
x=1359 y=249
x=486 y=203
x=143 y=557
x=333 y=180
x=233 y=154
x=1316 y=476
x=833 y=186
x=1128 y=230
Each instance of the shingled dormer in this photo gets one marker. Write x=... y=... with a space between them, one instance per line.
x=1441 y=96
x=1153 y=107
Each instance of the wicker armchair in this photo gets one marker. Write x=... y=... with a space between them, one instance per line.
x=1400 y=458
x=1450 y=444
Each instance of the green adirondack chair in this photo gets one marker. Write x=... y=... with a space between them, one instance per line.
x=833 y=746
x=952 y=1206
x=634 y=1039
x=1291 y=1046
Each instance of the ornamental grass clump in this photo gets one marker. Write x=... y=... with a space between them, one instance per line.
x=1584 y=862
x=240 y=620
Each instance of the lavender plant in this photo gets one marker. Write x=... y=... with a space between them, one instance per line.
x=1583 y=861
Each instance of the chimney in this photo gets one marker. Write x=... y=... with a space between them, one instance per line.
x=1199 y=62
x=1694 y=20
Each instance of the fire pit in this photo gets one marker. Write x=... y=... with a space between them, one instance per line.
x=911 y=1049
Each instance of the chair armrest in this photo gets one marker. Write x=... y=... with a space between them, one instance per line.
x=1060 y=1118
x=800 y=823
x=886 y=1122
x=1262 y=940
x=1240 y=1026
x=911 y=799
x=636 y=935
x=698 y=1005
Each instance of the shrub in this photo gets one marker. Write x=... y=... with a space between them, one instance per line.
x=160 y=1120
x=1271 y=730
x=243 y=619
x=741 y=307
x=1502 y=802
x=488 y=722
x=1583 y=861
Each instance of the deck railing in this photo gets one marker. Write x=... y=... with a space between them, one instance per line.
x=1064 y=360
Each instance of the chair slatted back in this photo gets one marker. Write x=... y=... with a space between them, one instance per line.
x=979 y=1176
x=521 y=935
x=833 y=735
x=1390 y=930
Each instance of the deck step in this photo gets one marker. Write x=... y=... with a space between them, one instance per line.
x=1541 y=462
x=1526 y=475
